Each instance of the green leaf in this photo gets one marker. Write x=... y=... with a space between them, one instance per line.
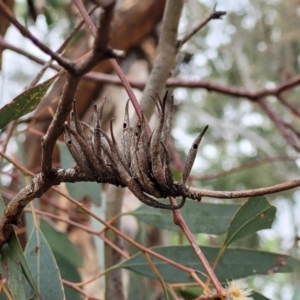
x=13 y=274
x=200 y=217
x=60 y=243
x=24 y=103
x=257 y=296
x=255 y=214
x=16 y=252
x=70 y=273
x=43 y=267
x=138 y=289
x=80 y=189
x=234 y=263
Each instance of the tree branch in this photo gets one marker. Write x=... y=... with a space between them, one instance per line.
x=213 y=15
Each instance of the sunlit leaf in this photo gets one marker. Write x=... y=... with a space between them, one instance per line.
x=254 y=215
x=200 y=217
x=24 y=103
x=43 y=266
x=234 y=263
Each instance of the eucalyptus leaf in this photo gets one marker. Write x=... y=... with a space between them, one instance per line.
x=254 y=215
x=13 y=274
x=70 y=273
x=24 y=103
x=16 y=253
x=234 y=263
x=60 y=243
x=200 y=217
x=43 y=267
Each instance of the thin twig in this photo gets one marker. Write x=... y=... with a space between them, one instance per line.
x=213 y=15
x=179 y=221
x=79 y=290
x=26 y=33
x=62 y=47
x=81 y=226
x=114 y=63
x=279 y=124
x=290 y=106
x=9 y=133
x=176 y=82
x=244 y=167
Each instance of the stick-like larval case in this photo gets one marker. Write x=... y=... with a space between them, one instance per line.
x=141 y=163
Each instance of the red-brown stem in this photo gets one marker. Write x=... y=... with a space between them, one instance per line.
x=179 y=221
x=79 y=290
x=114 y=64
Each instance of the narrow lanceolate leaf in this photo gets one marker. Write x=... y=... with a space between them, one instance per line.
x=13 y=274
x=254 y=215
x=234 y=263
x=43 y=267
x=24 y=103
x=60 y=244
x=16 y=254
x=200 y=217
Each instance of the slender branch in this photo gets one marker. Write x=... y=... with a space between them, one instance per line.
x=244 y=167
x=100 y=52
x=62 y=47
x=57 y=125
x=72 y=175
x=279 y=124
x=9 y=133
x=6 y=45
x=290 y=106
x=213 y=15
x=78 y=289
x=179 y=221
x=67 y=64
x=195 y=193
x=81 y=226
x=165 y=57
x=122 y=79
x=178 y=82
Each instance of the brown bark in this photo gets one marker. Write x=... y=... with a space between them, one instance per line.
x=132 y=24
x=4 y=24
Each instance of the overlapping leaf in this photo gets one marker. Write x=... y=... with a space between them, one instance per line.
x=234 y=263
x=200 y=217
x=43 y=266
x=12 y=255
x=14 y=274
